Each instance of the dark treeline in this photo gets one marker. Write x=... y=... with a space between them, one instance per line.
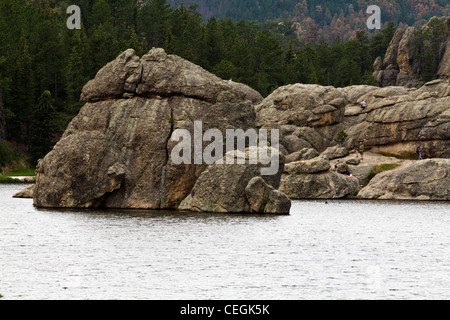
x=321 y=11
x=44 y=65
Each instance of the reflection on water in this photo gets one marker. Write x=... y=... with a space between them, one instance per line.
x=340 y=250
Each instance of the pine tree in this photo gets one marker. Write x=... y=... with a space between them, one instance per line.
x=2 y=118
x=102 y=47
x=169 y=41
x=101 y=14
x=214 y=45
x=268 y=57
x=76 y=74
x=19 y=121
x=43 y=128
x=152 y=22
x=46 y=49
x=290 y=71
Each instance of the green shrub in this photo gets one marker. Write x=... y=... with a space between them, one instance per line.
x=341 y=137
x=382 y=168
x=5 y=156
x=6 y=179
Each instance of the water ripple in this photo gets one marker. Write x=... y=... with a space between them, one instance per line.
x=339 y=250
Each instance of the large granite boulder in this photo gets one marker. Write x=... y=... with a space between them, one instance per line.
x=303 y=154
x=334 y=153
x=160 y=74
x=419 y=180
x=314 y=165
x=264 y=198
x=302 y=113
x=312 y=179
x=27 y=193
x=230 y=188
x=117 y=152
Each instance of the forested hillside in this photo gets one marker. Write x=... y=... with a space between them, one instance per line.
x=407 y=11
x=322 y=18
x=44 y=65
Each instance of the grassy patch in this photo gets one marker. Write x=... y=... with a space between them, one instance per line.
x=21 y=171
x=6 y=179
x=382 y=168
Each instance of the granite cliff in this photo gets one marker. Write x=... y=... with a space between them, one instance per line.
x=116 y=153
x=403 y=64
x=396 y=121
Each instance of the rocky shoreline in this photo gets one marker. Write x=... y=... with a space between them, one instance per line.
x=118 y=151
x=317 y=178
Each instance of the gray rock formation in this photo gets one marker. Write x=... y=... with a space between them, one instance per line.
x=303 y=154
x=401 y=67
x=159 y=74
x=444 y=66
x=116 y=153
x=418 y=180
x=314 y=165
x=312 y=179
x=264 y=198
x=398 y=120
x=303 y=113
x=334 y=153
x=342 y=168
x=27 y=193
x=353 y=161
x=231 y=188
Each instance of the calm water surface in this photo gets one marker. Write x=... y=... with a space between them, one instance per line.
x=340 y=250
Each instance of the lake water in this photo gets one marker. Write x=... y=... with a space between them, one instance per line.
x=340 y=250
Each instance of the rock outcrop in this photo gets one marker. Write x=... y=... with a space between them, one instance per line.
x=27 y=193
x=237 y=188
x=418 y=180
x=303 y=113
x=117 y=152
x=396 y=120
x=303 y=154
x=334 y=153
x=312 y=179
x=401 y=65
x=264 y=198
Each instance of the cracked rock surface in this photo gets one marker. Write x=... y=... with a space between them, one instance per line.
x=116 y=152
